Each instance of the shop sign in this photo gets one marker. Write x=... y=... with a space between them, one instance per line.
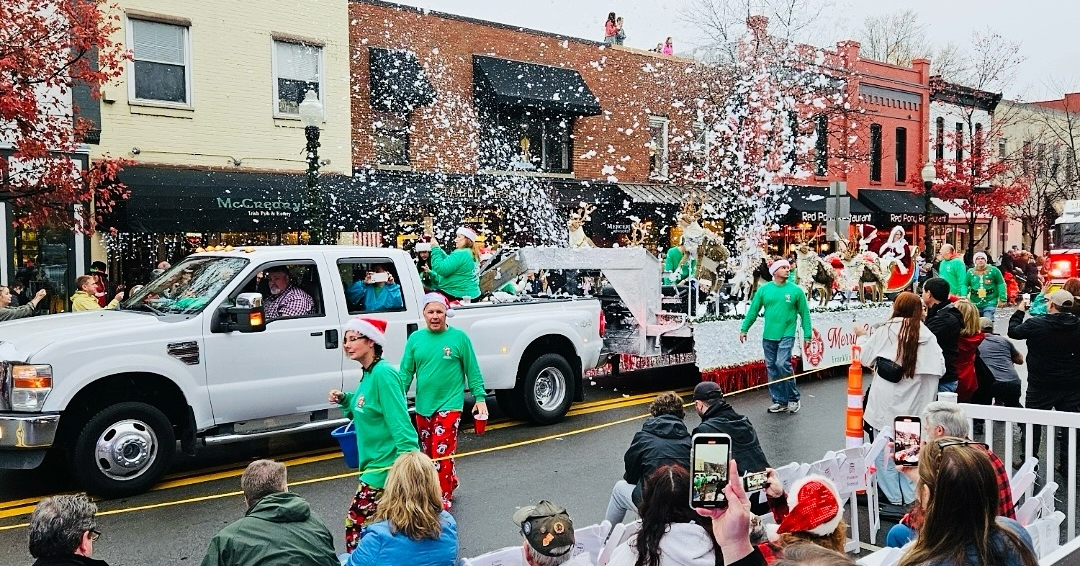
x=806 y=216
x=256 y=207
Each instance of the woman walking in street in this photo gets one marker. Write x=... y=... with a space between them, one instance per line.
x=442 y=361
x=907 y=363
x=380 y=417
x=455 y=272
x=411 y=526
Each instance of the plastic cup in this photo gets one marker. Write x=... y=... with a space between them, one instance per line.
x=480 y=423
x=947 y=396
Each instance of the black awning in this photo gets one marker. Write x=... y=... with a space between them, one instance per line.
x=516 y=83
x=810 y=204
x=398 y=83
x=898 y=206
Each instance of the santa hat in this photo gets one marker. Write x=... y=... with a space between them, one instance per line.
x=423 y=247
x=777 y=265
x=978 y=255
x=814 y=507
x=373 y=329
x=867 y=231
x=467 y=232
x=437 y=298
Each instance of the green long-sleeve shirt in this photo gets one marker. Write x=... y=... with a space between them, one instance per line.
x=986 y=289
x=442 y=363
x=455 y=273
x=783 y=304
x=672 y=265
x=380 y=416
x=955 y=272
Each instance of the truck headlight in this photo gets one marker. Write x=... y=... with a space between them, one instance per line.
x=30 y=385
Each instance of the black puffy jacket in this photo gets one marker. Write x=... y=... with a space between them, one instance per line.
x=1053 y=343
x=661 y=440
x=745 y=448
x=945 y=321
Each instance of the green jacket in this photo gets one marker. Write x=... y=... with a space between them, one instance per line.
x=955 y=272
x=380 y=417
x=784 y=305
x=456 y=272
x=278 y=529
x=991 y=284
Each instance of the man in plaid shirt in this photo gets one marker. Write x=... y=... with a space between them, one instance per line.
x=285 y=299
x=940 y=419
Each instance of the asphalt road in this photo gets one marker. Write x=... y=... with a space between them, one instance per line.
x=574 y=463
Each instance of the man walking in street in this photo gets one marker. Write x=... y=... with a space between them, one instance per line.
x=783 y=302
x=953 y=270
x=442 y=361
x=62 y=531
x=986 y=287
x=1053 y=343
x=277 y=528
x=8 y=312
x=945 y=322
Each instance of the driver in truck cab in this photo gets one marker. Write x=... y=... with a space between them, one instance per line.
x=285 y=298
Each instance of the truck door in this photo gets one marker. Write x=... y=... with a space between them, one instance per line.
x=288 y=368
x=371 y=286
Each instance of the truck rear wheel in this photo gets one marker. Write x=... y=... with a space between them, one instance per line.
x=123 y=450
x=547 y=389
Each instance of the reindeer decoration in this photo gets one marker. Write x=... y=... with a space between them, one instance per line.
x=575 y=225
x=863 y=269
x=707 y=247
x=638 y=234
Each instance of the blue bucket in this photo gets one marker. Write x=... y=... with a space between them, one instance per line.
x=346 y=437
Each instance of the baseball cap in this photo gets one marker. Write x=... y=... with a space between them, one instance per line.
x=547 y=527
x=985 y=323
x=1061 y=298
x=708 y=390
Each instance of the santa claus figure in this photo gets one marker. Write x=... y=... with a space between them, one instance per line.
x=893 y=251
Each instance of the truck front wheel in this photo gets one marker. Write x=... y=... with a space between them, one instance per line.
x=547 y=389
x=123 y=450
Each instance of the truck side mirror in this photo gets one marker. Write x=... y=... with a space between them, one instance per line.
x=245 y=316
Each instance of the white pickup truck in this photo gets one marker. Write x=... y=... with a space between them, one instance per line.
x=186 y=359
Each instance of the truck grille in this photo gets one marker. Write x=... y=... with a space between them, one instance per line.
x=187 y=352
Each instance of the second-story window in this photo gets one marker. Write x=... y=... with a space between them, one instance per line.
x=527 y=139
x=875 y=152
x=297 y=69
x=959 y=144
x=821 y=145
x=391 y=138
x=658 y=147
x=901 y=155
x=939 y=139
x=160 y=62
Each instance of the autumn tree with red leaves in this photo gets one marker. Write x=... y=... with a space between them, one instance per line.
x=47 y=47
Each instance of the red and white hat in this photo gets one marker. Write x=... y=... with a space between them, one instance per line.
x=814 y=507
x=467 y=232
x=435 y=297
x=371 y=328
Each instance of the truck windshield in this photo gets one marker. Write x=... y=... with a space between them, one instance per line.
x=1067 y=236
x=188 y=286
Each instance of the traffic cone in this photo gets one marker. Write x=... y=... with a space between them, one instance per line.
x=854 y=429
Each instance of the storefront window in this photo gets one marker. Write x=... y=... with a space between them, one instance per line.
x=42 y=262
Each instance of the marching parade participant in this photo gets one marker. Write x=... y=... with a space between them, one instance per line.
x=441 y=358
x=380 y=416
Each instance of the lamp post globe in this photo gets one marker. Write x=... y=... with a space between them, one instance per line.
x=311 y=114
x=929 y=176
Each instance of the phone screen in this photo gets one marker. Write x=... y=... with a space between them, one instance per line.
x=907 y=440
x=710 y=455
x=755 y=481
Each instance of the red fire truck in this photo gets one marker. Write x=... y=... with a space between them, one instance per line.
x=1065 y=256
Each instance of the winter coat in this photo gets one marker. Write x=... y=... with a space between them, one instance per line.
x=69 y=560
x=12 y=313
x=277 y=529
x=1053 y=343
x=684 y=544
x=997 y=541
x=661 y=440
x=909 y=396
x=945 y=321
x=967 y=382
x=745 y=448
x=379 y=545
x=83 y=301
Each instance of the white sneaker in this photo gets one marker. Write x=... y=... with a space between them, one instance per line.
x=777 y=408
x=793 y=407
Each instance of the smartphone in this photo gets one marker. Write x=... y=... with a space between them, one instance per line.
x=380 y=277
x=907 y=440
x=709 y=455
x=755 y=481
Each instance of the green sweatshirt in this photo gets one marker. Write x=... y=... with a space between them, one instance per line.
x=455 y=273
x=441 y=362
x=678 y=272
x=992 y=285
x=783 y=303
x=955 y=272
x=380 y=416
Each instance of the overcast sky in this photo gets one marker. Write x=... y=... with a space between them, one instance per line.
x=1045 y=28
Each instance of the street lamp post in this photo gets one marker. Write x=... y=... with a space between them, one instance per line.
x=929 y=175
x=311 y=113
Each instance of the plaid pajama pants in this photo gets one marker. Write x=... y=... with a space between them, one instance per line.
x=438 y=439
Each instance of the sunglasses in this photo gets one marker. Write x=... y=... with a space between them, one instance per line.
x=94 y=535
x=943 y=444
